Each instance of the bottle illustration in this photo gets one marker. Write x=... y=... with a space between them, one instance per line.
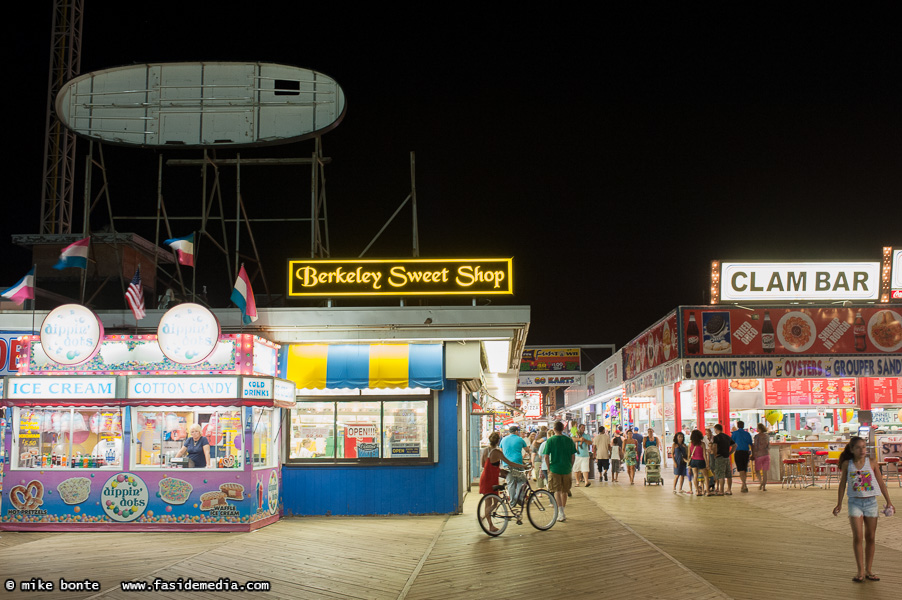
x=860 y=331
x=692 y=338
x=767 y=334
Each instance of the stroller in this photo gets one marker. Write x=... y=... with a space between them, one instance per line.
x=653 y=466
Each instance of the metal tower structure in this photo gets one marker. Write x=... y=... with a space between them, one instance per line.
x=59 y=142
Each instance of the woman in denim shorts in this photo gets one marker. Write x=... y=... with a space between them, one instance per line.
x=863 y=483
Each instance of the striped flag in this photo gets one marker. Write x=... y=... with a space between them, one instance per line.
x=22 y=291
x=74 y=255
x=134 y=296
x=243 y=297
x=184 y=249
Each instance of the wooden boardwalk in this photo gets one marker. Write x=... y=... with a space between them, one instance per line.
x=619 y=541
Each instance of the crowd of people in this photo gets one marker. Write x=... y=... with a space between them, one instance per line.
x=555 y=458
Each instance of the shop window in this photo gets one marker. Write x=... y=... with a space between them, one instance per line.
x=264 y=454
x=83 y=437
x=366 y=431
x=159 y=435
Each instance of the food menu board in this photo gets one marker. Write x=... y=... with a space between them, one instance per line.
x=795 y=331
x=885 y=390
x=655 y=346
x=809 y=392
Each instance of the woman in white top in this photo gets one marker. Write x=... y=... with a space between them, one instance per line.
x=863 y=482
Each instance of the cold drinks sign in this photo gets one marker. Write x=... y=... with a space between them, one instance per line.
x=750 y=281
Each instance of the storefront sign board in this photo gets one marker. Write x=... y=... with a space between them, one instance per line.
x=655 y=346
x=664 y=375
x=62 y=388
x=780 y=367
x=256 y=387
x=885 y=390
x=182 y=388
x=71 y=334
x=188 y=333
x=548 y=380
x=403 y=277
x=791 y=281
x=550 y=359
x=9 y=353
x=794 y=331
x=810 y=392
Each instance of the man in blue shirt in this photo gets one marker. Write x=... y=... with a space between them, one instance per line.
x=512 y=446
x=743 y=440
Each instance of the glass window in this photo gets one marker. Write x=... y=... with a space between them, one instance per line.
x=264 y=454
x=348 y=430
x=83 y=437
x=405 y=429
x=312 y=430
x=160 y=435
x=358 y=429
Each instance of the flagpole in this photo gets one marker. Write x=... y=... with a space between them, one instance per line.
x=194 y=268
x=34 y=301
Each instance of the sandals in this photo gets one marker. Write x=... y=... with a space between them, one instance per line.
x=858 y=579
x=871 y=577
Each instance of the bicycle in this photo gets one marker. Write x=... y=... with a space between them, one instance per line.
x=539 y=505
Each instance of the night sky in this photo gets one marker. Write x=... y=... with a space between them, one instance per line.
x=613 y=157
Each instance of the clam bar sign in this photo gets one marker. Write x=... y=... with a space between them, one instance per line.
x=749 y=282
x=404 y=277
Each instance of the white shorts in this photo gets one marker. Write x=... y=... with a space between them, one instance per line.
x=581 y=464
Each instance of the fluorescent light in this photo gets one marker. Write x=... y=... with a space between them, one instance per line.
x=497 y=354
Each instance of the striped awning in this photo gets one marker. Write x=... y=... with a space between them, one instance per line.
x=360 y=366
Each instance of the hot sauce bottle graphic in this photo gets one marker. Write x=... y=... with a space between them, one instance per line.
x=692 y=338
x=767 y=334
x=860 y=330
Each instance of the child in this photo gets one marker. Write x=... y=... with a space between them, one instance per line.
x=615 y=458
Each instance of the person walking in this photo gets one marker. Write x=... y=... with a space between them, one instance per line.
x=581 y=466
x=698 y=462
x=743 y=440
x=863 y=482
x=651 y=440
x=616 y=458
x=761 y=454
x=560 y=454
x=602 y=445
x=638 y=437
x=711 y=454
x=535 y=455
x=680 y=453
x=541 y=458
x=725 y=446
x=631 y=457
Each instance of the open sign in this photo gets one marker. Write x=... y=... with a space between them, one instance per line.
x=360 y=431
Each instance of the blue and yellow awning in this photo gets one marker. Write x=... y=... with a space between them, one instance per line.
x=359 y=366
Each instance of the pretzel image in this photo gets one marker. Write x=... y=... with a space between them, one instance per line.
x=27 y=497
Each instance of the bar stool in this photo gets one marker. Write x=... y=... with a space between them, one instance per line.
x=820 y=464
x=832 y=468
x=792 y=472
x=892 y=461
x=807 y=470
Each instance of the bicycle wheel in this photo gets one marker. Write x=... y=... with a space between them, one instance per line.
x=541 y=508
x=499 y=514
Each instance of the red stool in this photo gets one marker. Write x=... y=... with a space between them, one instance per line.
x=892 y=461
x=806 y=466
x=832 y=467
x=820 y=464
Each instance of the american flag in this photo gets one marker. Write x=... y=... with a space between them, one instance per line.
x=134 y=296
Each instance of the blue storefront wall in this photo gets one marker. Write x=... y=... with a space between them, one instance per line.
x=383 y=489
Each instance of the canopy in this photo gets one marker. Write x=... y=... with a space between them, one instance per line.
x=361 y=366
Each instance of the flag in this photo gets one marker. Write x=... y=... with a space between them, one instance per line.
x=22 y=291
x=184 y=248
x=134 y=296
x=243 y=297
x=74 y=255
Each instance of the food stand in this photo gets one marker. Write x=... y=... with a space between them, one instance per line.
x=93 y=445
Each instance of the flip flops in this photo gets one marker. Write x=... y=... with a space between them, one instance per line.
x=871 y=577
x=858 y=579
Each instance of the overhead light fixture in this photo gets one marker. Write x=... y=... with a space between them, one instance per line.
x=497 y=354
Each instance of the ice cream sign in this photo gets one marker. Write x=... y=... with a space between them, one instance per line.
x=188 y=333
x=71 y=334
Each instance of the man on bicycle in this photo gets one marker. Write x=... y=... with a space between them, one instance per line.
x=513 y=446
